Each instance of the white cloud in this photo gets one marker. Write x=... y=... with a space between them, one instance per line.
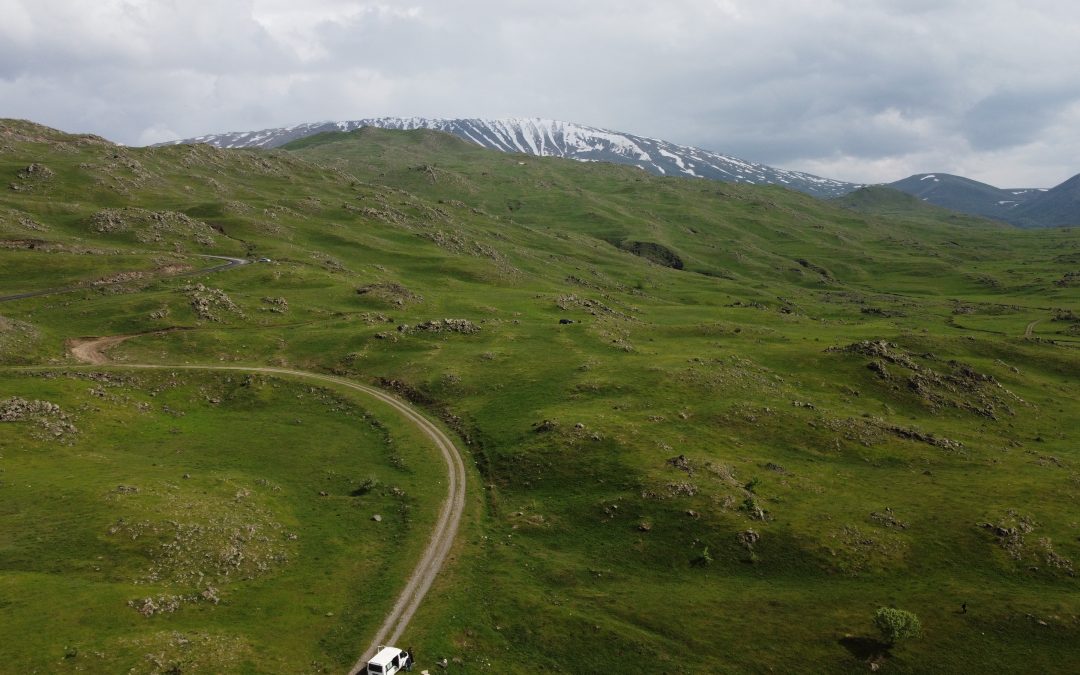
x=864 y=90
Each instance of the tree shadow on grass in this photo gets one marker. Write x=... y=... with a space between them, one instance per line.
x=866 y=649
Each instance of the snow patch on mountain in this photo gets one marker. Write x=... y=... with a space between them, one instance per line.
x=554 y=138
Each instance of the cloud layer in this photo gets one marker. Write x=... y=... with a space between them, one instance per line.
x=862 y=90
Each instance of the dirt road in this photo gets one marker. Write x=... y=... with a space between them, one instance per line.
x=1029 y=332
x=92 y=351
x=229 y=264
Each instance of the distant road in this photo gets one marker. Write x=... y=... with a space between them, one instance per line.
x=231 y=262
x=1029 y=332
x=92 y=351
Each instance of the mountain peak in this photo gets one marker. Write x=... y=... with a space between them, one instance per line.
x=555 y=138
x=1025 y=207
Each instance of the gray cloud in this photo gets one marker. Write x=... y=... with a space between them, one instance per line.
x=865 y=90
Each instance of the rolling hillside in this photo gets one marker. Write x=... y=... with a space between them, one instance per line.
x=710 y=419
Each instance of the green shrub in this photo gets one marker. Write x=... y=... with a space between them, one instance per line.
x=896 y=624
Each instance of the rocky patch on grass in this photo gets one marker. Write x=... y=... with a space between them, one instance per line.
x=173 y=652
x=118 y=278
x=152 y=226
x=887 y=518
x=392 y=293
x=13 y=218
x=16 y=337
x=209 y=303
x=463 y=326
x=730 y=373
x=32 y=177
x=198 y=541
x=869 y=431
x=956 y=385
x=1011 y=534
x=50 y=420
x=1068 y=280
x=590 y=306
x=275 y=305
x=825 y=275
x=850 y=551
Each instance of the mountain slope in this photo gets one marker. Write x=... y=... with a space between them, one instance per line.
x=1054 y=207
x=1025 y=207
x=551 y=138
x=882 y=200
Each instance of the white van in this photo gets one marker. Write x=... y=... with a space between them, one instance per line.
x=389 y=660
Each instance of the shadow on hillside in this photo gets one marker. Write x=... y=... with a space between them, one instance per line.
x=865 y=648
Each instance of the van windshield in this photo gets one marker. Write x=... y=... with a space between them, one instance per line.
x=374 y=668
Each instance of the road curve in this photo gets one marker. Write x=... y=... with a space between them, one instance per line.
x=453 y=506
x=1029 y=332
x=231 y=262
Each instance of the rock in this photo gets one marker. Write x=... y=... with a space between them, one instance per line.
x=681 y=462
x=442 y=663
x=644 y=527
x=545 y=426
x=566 y=321
x=748 y=538
x=377 y=518
x=323 y=493
x=692 y=513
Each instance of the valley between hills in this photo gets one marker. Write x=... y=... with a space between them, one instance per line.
x=707 y=427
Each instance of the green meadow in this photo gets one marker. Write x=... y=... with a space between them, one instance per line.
x=710 y=428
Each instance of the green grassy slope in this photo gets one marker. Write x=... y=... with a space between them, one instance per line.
x=769 y=416
x=147 y=528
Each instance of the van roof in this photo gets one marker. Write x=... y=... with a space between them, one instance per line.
x=384 y=656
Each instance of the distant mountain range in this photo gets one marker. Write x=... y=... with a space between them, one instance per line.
x=551 y=138
x=1024 y=207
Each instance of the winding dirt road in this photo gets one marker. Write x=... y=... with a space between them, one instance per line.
x=92 y=351
x=229 y=264
x=1029 y=332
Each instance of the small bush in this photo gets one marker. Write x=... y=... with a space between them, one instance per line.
x=896 y=624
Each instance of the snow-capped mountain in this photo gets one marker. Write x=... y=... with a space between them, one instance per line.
x=551 y=138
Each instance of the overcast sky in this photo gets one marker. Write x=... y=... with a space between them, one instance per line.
x=860 y=90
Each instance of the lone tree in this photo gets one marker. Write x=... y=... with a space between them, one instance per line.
x=896 y=624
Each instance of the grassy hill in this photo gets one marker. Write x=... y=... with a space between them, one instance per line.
x=769 y=416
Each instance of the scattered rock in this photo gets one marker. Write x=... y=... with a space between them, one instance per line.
x=377 y=518
x=51 y=420
x=276 y=305
x=208 y=302
x=441 y=326
x=888 y=519
x=390 y=292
